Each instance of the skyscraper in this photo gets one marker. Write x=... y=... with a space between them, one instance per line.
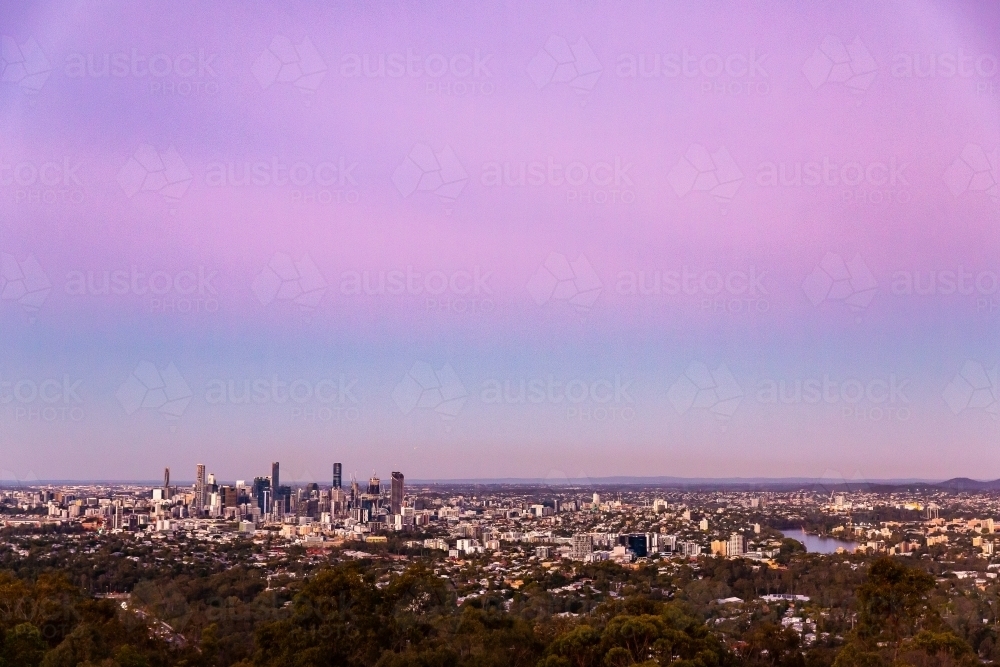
x=396 y=494
x=337 y=475
x=261 y=491
x=274 y=476
x=166 y=483
x=200 y=499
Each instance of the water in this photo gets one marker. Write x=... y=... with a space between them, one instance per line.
x=819 y=545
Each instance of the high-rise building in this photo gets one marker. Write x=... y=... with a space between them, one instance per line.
x=338 y=501
x=396 y=493
x=282 y=499
x=637 y=543
x=337 y=475
x=374 y=486
x=274 y=476
x=166 y=483
x=200 y=492
x=581 y=545
x=261 y=491
x=736 y=545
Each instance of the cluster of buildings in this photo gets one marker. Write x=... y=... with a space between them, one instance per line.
x=549 y=522
x=263 y=502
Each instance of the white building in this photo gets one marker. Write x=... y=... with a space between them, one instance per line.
x=736 y=545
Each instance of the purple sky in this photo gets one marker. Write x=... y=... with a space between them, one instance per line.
x=561 y=241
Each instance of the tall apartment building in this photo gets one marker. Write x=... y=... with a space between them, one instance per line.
x=736 y=545
x=581 y=545
x=200 y=489
x=396 y=493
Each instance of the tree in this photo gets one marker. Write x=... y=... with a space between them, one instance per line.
x=22 y=646
x=891 y=604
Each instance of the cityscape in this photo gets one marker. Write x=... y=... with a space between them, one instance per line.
x=747 y=559
x=431 y=333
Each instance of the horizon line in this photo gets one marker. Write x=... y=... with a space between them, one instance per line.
x=540 y=481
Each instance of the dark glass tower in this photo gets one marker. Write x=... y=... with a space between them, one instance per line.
x=396 y=494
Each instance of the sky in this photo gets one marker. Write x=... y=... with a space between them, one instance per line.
x=562 y=240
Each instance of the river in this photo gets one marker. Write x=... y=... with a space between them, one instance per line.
x=819 y=545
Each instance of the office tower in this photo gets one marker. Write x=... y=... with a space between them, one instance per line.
x=229 y=496
x=200 y=497
x=261 y=491
x=274 y=476
x=396 y=494
x=166 y=483
x=638 y=544
x=374 y=486
x=282 y=499
x=337 y=475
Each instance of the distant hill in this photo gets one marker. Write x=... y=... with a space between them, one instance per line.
x=966 y=484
